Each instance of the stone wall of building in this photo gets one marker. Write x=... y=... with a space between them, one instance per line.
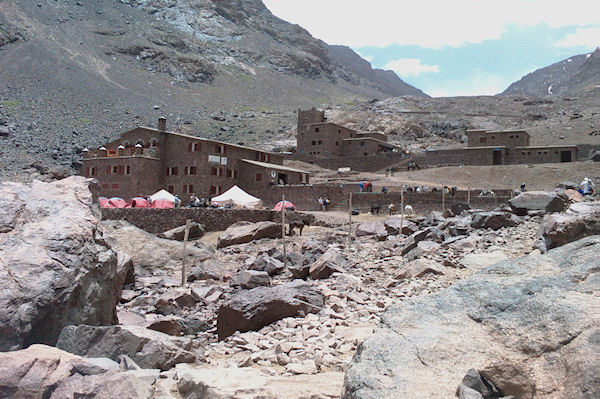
x=159 y=220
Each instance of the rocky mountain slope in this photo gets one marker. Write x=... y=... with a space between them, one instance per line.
x=78 y=73
x=578 y=75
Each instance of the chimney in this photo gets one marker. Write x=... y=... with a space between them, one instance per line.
x=162 y=124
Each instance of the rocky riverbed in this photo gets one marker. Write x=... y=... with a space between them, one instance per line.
x=406 y=308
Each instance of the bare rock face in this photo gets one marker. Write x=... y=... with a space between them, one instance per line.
x=580 y=220
x=42 y=371
x=148 y=252
x=148 y=348
x=55 y=264
x=528 y=325
x=244 y=232
x=250 y=310
x=547 y=201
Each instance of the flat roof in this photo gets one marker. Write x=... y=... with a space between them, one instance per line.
x=488 y=147
x=372 y=139
x=541 y=147
x=199 y=138
x=273 y=166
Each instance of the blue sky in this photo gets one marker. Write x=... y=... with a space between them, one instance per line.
x=453 y=47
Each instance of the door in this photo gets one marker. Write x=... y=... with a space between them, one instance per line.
x=497 y=157
x=565 y=156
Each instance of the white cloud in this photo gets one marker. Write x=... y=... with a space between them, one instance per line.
x=587 y=37
x=411 y=67
x=427 y=23
x=481 y=84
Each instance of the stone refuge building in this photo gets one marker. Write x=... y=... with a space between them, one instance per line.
x=145 y=160
x=498 y=147
x=331 y=145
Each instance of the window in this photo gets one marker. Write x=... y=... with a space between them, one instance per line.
x=172 y=171
x=235 y=174
x=259 y=177
x=215 y=190
x=220 y=149
x=339 y=131
x=317 y=130
x=320 y=142
x=482 y=140
x=493 y=137
x=314 y=143
x=188 y=188
x=108 y=169
x=193 y=170
x=229 y=173
x=116 y=169
x=213 y=171
x=105 y=185
x=171 y=189
x=337 y=143
x=197 y=147
x=190 y=147
x=128 y=170
x=512 y=136
x=517 y=136
x=115 y=185
x=362 y=143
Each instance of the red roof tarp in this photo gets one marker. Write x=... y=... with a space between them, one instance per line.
x=162 y=204
x=116 y=202
x=288 y=206
x=138 y=202
x=103 y=201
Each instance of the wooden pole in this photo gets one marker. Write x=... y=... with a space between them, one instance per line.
x=283 y=229
x=401 y=209
x=469 y=195
x=443 y=200
x=349 y=220
x=184 y=256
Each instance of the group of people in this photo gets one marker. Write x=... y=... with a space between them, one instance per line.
x=366 y=187
x=586 y=187
x=324 y=203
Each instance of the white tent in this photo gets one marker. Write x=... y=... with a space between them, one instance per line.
x=237 y=196
x=162 y=195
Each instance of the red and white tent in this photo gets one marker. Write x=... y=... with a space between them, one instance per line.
x=288 y=206
x=138 y=202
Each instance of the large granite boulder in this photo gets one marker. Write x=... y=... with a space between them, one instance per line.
x=330 y=262
x=252 y=309
x=248 y=279
x=42 y=371
x=56 y=267
x=580 y=220
x=148 y=348
x=244 y=232
x=398 y=225
x=149 y=253
x=527 y=325
x=547 y=201
x=494 y=220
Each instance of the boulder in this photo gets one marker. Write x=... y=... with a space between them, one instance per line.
x=42 y=371
x=267 y=264
x=253 y=309
x=373 y=228
x=178 y=233
x=494 y=220
x=595 y=157
x=212 y=269
x=412 y=240
x=244 y=232
x=249 y=279
x=330 y=262
x=527 y=325
x=568 y=185
x=148 y=348
x=148 y=252
x=547 y=201
x=298 y=265
x=581 y=220
x=459 y=208
x=56 y=266
x=419 y=268
x=392 y=225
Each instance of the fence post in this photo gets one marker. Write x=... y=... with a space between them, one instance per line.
x=401 y=210
x=443 y=200
x=469 y=195
x=185 y=240
x=349 y=220
x=283 y=228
